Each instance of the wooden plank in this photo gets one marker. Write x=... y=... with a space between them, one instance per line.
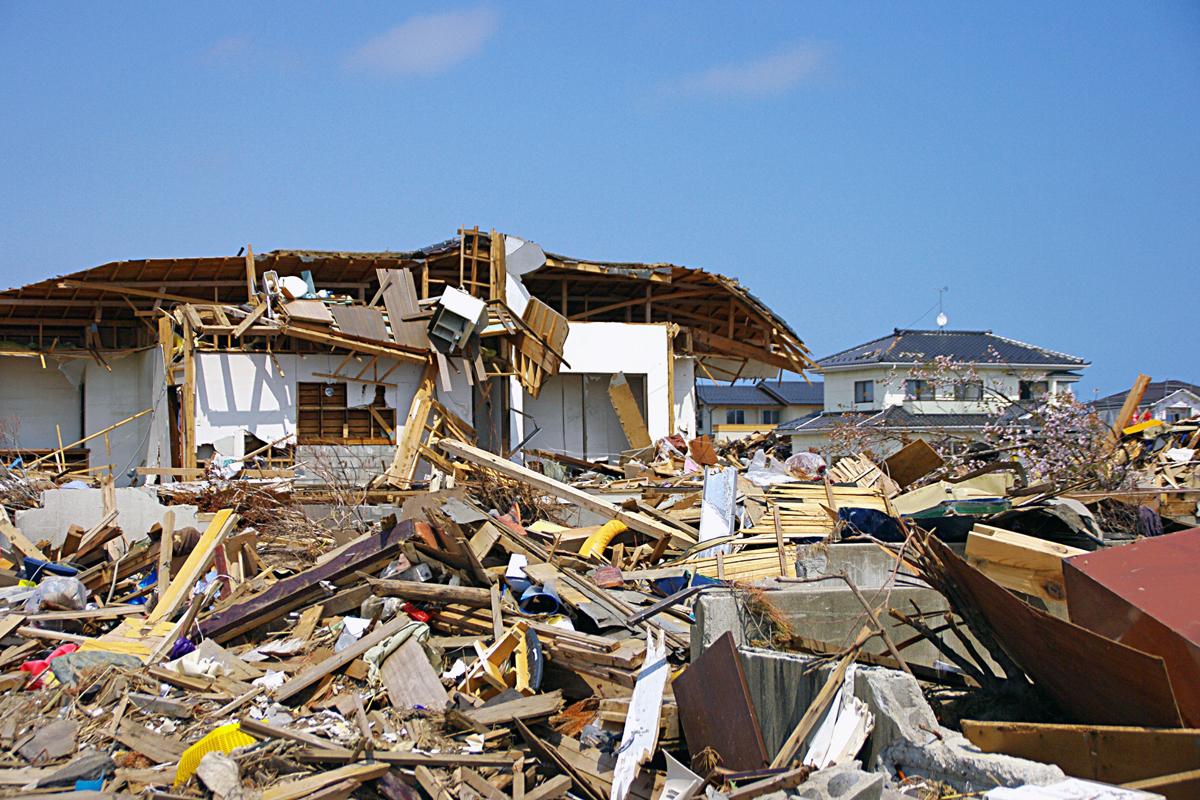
x=404 y=463
x=526 y=708
x=628 y=414
x=1110 y=753
x=400 y=300
x=19 y=540
x=1130 y=406
x=411 y=681
x=367 y=552
x=912 y=462
x=251 y=278
x=194 y=567
x=365 y=323
x=336 y=661
x=1021 y=563
x=166 y=551
x=307 y=787
x=255 y=314
x=641 y=524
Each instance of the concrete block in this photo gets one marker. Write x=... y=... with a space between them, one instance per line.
x=828 y=612
x=906 y=736
x=138 y=509
x=865 y=564
x=843 y=782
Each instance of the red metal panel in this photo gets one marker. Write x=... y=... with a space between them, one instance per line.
x=1093 y=678
x=1146 y=595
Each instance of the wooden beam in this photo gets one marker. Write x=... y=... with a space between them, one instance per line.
x=1130 y=406
x=338 y=660
x=637 y=522
x=251 y=318
x=251 y=278
x=101 y=286
x=189 y=394
x=173 y=596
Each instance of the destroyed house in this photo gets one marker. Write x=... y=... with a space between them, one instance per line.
x=335 y=367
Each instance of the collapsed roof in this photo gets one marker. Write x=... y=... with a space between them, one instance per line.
x=113 y=306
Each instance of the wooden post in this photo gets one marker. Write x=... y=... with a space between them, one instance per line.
x=251 y=277
x=189 y=395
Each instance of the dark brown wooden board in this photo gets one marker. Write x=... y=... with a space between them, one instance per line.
x=715 y=708
x=300 y=589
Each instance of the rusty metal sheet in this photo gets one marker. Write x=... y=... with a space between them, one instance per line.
x=1146 y=595
x=715 y=708
x=1094 y=679
x=360 y=321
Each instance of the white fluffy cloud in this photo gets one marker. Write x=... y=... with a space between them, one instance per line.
x=426 y=44
x=772 y=74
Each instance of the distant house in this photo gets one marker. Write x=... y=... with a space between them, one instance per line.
x=929 y=384
x=733 y=411
x=1169 y=401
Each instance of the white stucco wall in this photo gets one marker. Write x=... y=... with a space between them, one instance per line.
x=889 y=390
x=33 y=399
x=239 y=393
x=577 y=398
x=110 y=397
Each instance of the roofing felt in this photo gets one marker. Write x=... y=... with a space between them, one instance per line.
x=763 y=393
x=1155 y=391
x=919 y=346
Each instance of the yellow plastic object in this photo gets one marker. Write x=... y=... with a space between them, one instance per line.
x=224 y=739
x=1141 y=426
x=595 y=544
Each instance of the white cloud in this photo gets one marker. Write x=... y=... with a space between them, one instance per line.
x=426 y=44
x=769 y=75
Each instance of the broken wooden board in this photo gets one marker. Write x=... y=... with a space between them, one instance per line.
x=525 y=708
x=628 y=413
x=411 y=680
x=1109 y=753
x=912 y=462
x=562 y=491
x=283 y=596
x=173 y=597
x=338 y=660
x=1022 y=563
x=724 y=720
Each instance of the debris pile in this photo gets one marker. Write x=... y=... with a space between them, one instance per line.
x=473 y=615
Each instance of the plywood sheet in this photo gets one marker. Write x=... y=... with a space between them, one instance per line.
x=410 y=679
x=360 y=321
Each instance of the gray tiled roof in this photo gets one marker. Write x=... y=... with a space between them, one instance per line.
x=894 y=417
x=919 y=346
x=763 y=393
x=1155 y=391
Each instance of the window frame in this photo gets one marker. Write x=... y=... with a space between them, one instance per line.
x=924 y=389
x=960 y=391
x=867 y=396
x=1029 y=395
x=730 y=413
x=773 y=412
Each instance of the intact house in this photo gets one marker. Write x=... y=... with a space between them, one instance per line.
x=740 y=409
x=1169 y=401
x=331 y=367
x=943 y=385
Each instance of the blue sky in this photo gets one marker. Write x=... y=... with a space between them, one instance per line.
x=843 y=160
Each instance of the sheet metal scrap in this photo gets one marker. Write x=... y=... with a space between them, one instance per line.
x=1145 y=595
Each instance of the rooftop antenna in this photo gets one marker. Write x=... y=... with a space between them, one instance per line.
x=942 y=319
